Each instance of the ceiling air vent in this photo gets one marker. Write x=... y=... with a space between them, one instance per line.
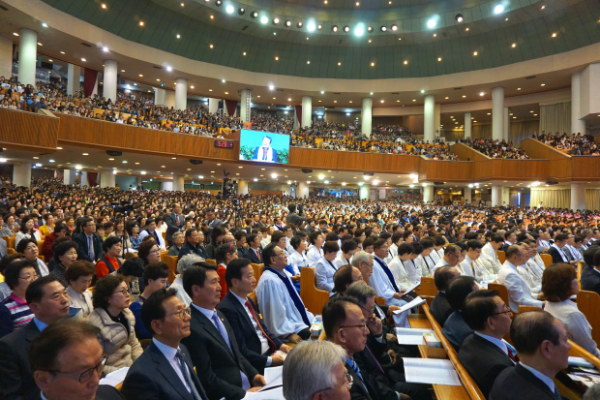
x=457 y=88
x=245 y=27
x=336 y=93
x=156 y=66
x=531 y=77
x=86 y=45
x=4 y=8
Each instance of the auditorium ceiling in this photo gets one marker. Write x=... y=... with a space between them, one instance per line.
x=345 y=39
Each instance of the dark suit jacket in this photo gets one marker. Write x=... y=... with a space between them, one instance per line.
x=556 y=257
x=517 y=383
x=187 y=248
x=171 y=222
x=245 y=335
x=456 y=330
x=484 y=361
x=152 y=377
x=590 y=279
x=251 y=255
x=440 y=308
x=358 y=390
x=217 y=366
x=107 y=392
x=82 y=246
x=16 y=379
x=380 y=386
x=255 y=155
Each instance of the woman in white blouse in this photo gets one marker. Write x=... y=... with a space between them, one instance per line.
x=315 y=252
x=80 y=275
x=27 y=230
x=400 y=266
x=559 y=283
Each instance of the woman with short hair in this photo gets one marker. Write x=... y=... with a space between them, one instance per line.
x=80 y=275
x=29 y=248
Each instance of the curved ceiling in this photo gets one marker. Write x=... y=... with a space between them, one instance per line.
x=526 y=30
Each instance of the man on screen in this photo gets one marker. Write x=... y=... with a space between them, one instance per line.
x=265 y=152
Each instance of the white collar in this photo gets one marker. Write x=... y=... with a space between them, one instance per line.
x=167 y=351
x=549 y=382
x=207 y=313
x=498 y=342
x=241 y=300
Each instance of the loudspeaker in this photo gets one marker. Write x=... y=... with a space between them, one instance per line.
x=551 y=183
x=438 y=183
x=196 y=162
x=114 y=153
x=307 y=171
x=369 y=174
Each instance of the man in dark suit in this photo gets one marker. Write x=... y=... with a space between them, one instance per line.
x=590 y=277
x=254 y=252
x=193 y=245
x=558 y=251
x=510 y=238
x=54 y=362
x=543 y=347
x=254 y=339
x=440 y=308
x=165 y=369
x=49 y=301
x=223 y=370
x=174 y=221
x=89 y=244
x=483 y=353
x=265 y=152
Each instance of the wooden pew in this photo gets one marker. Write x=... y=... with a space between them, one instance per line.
x=258 y=270
x=314 y=299
x=547 y=259
x=502 y=292
x=211 y=261
x=589 y=304
x=427 y=287
x=501 y=256
x=10 y=242
x=171 y=261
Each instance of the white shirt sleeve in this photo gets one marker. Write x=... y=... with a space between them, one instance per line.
x=380 y=282
x=324 y=275
x=579 y=328
x=519 y=293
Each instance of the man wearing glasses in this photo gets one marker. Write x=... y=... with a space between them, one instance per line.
x=67 y=362
x=165 y=369
x=452 y=256
x=484 y=353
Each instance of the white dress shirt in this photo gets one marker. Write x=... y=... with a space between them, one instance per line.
x=547 y=381
x=489 y=254
x=161 y=241
x=435 y=256
x=313 y=255
x=466 y=267
x=170 y=354
x=578 y=328
x=324 y=272
x=519 y=292
x=393 y=253
x=423 y=265
x=340 y=261
x=441 y=263
x=297 y=261
x=400 y=273
x=264 y=343
x=181 y=293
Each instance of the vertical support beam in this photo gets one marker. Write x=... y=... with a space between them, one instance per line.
x=181 y=94
x=497 y=113
x=367 y=117
x=110 y=80
x=468 y=125
x=83 y=181
x=6 y=57
x=170 y=99
x=67 y=177
x=306 y=111
x=178 y=183
x=427 y=193
x=437 y=120
x=303 y=190
x=107 y=179
x=467 y=196
x=577 y=196
x=22 y=174
x=242 y=188
x=429 y=118
x=166 y=186
x=506 y=124
x=73 y=79
x=245 y=105
x=160 y=96
x=364 y=192
x=27 y=57
x=496 y=196
x=577 y=124
x=213 y=105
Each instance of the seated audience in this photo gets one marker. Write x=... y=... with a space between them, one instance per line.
x=452 y=257
x=590 y=277
x=484 y=354
x=325 y=268
x=489 y=255
x=519 y=292
x=184 y=263
x=315 y=251
x=440 y=308
x=150 y=230
x=348 y=248
x=345 y=276
x=455 y=328
x=559 y=283
x=254 y=252
x=283 y=311
x=65 y=254
x=29 y=248
x=89 y=243
x=401 y=267
x=576 y=145
x=321 y=366
x=495 y=148
x=558 y=250
x=155 y=278
x=165 y=370
x=70 y=349
x=148 y=251
x=80 y=275
x=109 y=261
x=5 y=290
x=222 y=369
x=116 y=322
x=224 y=254
x=60 y=230
x=14 y=311
x=27 y=230
x=175 y=248
x=258 y=345
x=543 y=347
x=296 y=259
x=49 y=302
x=193 y=243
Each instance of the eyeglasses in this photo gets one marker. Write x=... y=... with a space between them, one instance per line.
x=29 y=278
x=155 y=251
x=87 y=374
x=348 y=384
x=371 y=311
x=181 y=313
x=363 y=326
x=124 y=292
x=506 y=311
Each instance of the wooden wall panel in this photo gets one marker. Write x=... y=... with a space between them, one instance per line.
x=28 y=131
x=442 y=171
x=585 y=168
x=559 y=165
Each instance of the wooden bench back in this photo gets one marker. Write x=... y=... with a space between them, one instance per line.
x=314 y=299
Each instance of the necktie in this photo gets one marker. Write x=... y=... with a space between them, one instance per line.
x=188 y=378
x=221 y=328
x=354 y=367
x=91 y=248
x=272 y=345
x=258 y=255
x=557 y=393
x=511 y=355
x=374 y=359
x=265 y=152
x=177 y=219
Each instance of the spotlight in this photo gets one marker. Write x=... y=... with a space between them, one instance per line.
x=105 y=49
x=311 y=27
x=218 y=3
x=271 y=87
x=459 y=18
x=369 y=29
x=394 y=28
x=432 y=23
x=499 y=9
x=229 y=9
x=346 y=28
x=264 y=19
x=383 y=28
x=254 y=14
x=334 y=28
x=275 y=21
x=319 y=27
x=241 y=11
x=288 y=23
x=300 y=24
x=359 y=30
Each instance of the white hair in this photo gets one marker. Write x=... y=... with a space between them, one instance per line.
x=361 y=256
x=187 y=261
x=308 y=369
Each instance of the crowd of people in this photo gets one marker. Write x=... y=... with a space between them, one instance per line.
x=575 y=145
x=217 y=319
x=496 y=148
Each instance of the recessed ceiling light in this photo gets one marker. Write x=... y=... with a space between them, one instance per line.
x=226 y=92
x=157 y=80
x=518 y=88
x=178 y=36
x=15 y=33
x=372 y=64
x=513 y=45
x=244 y=53
x=50 y=61
x=466 y=29
x=141 y=23
x=211 y=46
x=414 y=99
x=36 y=158
x=212 y=17
x=435 y=35
x=543 y=7
x=111 y=159
x=405 y=62
x=554 y=34
x=173 y=158
x=543 y=84
x=83 y=59
x=103 y=6
x=85 y=154
x=482 y=94
x=464 y=96
x=475 y=53
x=339 y=64
x=498 y=9
x=439 y=58
x=276 y=58
x=397 y=101
x=210 y=90
x=122 y=70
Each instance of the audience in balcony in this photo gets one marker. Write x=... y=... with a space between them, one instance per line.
x=575 y=145
x=496 y=148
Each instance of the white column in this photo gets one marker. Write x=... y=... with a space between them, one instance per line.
x=429 y=118
x=497 y=113
x=506 y=124
x=6 y=57
x=27 y=57
x=170 y=99
x=496 y=196
x=213 y=105
x=577 y=124
x=302 y=190
x=367 y=117
x=364 y=192
x=83 y=181
x=178 y=183
x=67 y=176
x=468 y=125
x=107 y=179
x=181 y=94
x=245 y=109
x=577 y=196
x=306 y=111
x=110 y=80
x=160 y=96
x=467 y=196
x=242 y=187
x=22 y=174
x=166 y=186
x=427 y=193
x=73 y=79
x=437 y=120
x=286 y=189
